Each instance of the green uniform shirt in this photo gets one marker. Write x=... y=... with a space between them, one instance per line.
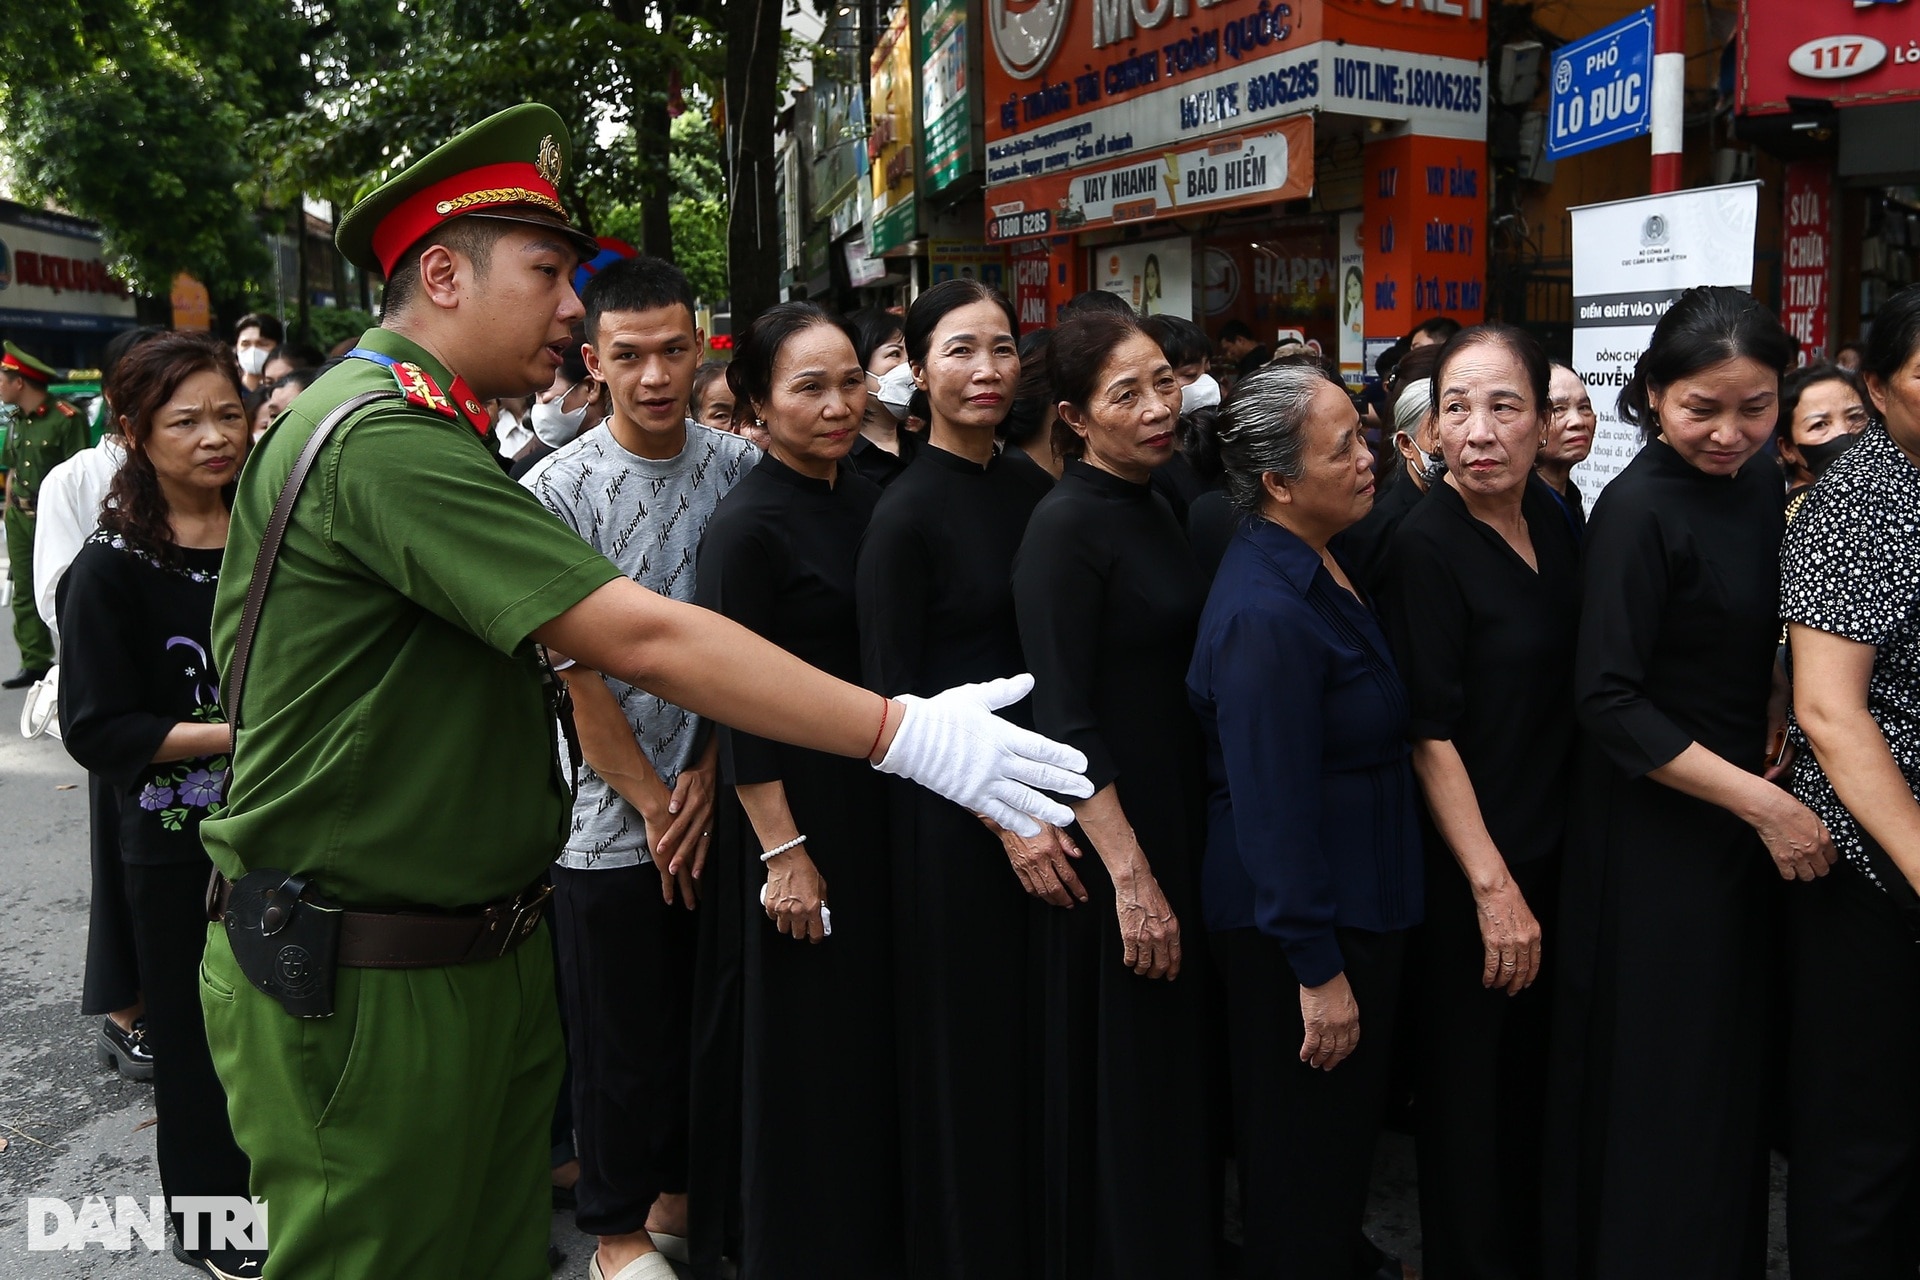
x=395 y=740
x=38 y=442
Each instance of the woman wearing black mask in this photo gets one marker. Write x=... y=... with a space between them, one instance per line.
x=1823 y=410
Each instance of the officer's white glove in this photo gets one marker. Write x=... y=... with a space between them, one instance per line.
x=953 y=745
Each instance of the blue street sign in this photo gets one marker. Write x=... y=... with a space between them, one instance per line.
x=1603 y=87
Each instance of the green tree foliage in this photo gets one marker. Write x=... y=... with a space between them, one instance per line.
x=696 y=202
x=183 y=127
x=134 y=113
x=393 y=81
x=331 y=325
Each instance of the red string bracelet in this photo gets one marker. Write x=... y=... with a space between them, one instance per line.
x=886 y=708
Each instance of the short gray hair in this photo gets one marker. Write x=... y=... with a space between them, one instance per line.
x=1262 y=429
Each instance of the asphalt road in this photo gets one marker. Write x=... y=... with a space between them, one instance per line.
x=73 y=1130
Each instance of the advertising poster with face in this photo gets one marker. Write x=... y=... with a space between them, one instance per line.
x=1353 y=301
x=1154 y=276
x=1631 y=260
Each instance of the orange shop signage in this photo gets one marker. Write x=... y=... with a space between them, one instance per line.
x=1099 y=85
x=1272 y=164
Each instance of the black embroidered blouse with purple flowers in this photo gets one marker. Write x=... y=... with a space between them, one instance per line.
x=135 y=660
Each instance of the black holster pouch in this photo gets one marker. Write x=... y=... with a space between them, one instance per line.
x=286 y=939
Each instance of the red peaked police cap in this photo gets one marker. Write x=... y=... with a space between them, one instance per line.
x=507 y=167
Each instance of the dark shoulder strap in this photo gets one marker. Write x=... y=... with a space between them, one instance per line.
x=270 y=546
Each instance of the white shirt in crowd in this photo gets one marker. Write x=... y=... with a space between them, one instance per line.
x=513 y=434
x=68 y=508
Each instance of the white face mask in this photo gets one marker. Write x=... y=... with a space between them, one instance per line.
x=894 y=388
x=554 y=426
x=253 y=360
x=1203 y=392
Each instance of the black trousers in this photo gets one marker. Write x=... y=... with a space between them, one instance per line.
x=193 y=1139
x=1305 y=1137
x=714 y=1212
x=1480 y=1070
x=626 y=968
x=1853 y=1200
x=112 y=979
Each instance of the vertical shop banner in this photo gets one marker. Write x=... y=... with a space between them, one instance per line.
x=1154 y=276
x=1807 y=240
x=1353 y=299
x=1425 y=211
x=1030 y=291
x=1631 y=260
x=890 y=146
x=838 y=118
x=945 y=100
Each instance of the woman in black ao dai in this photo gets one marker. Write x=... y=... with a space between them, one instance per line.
x=936 y=609
x=1656 y=1157
x=820 y=1183
x=1109 y=597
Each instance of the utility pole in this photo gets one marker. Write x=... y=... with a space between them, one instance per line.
x=1669 y=91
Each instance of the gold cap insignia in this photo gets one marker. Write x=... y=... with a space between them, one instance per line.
x=548 y=161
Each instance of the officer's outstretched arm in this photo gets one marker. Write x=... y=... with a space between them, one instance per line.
x=952 y=744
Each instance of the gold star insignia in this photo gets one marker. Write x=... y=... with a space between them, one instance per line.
x=548 y=161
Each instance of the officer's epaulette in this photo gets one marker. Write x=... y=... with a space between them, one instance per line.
x=422 y=392
x=418 y=386
x=66 y=408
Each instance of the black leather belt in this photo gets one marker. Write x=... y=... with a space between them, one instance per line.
x=424 y=939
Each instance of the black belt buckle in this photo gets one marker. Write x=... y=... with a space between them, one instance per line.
x=522 y=917
x=285 y=939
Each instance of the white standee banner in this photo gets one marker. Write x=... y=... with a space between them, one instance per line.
x=1631 y=260
x=1353 y=302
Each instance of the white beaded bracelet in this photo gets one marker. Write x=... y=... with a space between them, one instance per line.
x=776 y=851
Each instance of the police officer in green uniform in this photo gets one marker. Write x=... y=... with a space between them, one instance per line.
x=45 y=432
x=394 y=745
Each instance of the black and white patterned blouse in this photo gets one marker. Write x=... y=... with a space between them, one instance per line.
x=1850 y=566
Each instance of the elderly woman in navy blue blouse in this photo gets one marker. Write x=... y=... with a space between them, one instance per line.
x=1312 y=872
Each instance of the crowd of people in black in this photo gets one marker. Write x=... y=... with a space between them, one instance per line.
x=1580 y=835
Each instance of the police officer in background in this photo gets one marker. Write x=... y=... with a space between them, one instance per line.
x=395 y=796
x=45 y=433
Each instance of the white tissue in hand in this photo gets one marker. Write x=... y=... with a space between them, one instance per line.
x=953 y=745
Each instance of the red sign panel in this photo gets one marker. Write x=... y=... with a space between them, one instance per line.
x=1425 y=228
x=1807 y=241
x=1827 y=50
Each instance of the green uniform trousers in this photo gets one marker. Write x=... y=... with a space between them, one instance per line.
x=36 y=645
x=407 y=1134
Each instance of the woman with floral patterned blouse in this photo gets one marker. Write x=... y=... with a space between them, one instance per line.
x=1849 y=586
x=140 y=706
